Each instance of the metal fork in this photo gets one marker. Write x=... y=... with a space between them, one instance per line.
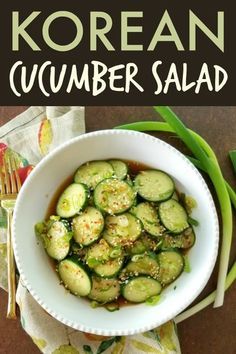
x=10 y=185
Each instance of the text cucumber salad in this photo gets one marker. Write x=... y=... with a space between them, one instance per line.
x=119 y=234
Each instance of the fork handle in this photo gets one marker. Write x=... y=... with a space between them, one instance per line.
x=11 y=270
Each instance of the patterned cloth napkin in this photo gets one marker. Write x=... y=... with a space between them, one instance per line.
x=29 y=137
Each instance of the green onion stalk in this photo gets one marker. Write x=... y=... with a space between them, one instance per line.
x=205 y=160
x=232 y=155
x=214 y=172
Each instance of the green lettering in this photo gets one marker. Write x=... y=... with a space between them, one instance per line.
x=172 y=37
x=65 y=47
x=125 y=29
x=100 y=32
x=195 y=22
x=20 y=30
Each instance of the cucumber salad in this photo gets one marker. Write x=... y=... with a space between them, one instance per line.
x=118 y=233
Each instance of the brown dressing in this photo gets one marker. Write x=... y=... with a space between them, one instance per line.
x=51 y=210
x=122 y=302
x=135 y=167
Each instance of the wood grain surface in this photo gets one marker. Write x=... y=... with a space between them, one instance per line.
x=212 y=331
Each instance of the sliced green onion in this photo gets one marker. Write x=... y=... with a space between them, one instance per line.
x=153 y=300
x=54 y=217
x=116 y=252
x=187 y=267
x=93 y=262
x=137 y=257
x=112 y=306
x=94 y=304
x=192 y=221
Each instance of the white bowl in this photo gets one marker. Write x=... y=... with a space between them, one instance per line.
x=35 y=267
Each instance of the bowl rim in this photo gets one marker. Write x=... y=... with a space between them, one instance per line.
x=114 y=332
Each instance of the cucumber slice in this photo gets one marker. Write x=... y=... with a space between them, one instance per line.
x=141 y=264
x=148 y=215
x=120 y=168
x=122 y=230
x=113 y=196
x=74 y=277
x=98 y=253
x=154 y=185
x=151 y=244
x=57 y=241
x=133 y=210
x=109 y=269
x=144 y=243
x=140 y=289
x=88 y=226
x=188 y=238
x=104 y=290
x=171 y=266
x=72 y=200
x=91 y=173
x=173 y=216
x=138 y=247
x=184 y=240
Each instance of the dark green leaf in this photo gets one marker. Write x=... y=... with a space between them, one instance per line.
x=87 y=349
x=105 y=345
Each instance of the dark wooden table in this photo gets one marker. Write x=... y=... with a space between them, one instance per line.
x=211 y=330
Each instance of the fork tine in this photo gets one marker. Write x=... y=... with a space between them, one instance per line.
x=17 y=177
x=7 y=179
x=12 y=176
x=2 y=183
